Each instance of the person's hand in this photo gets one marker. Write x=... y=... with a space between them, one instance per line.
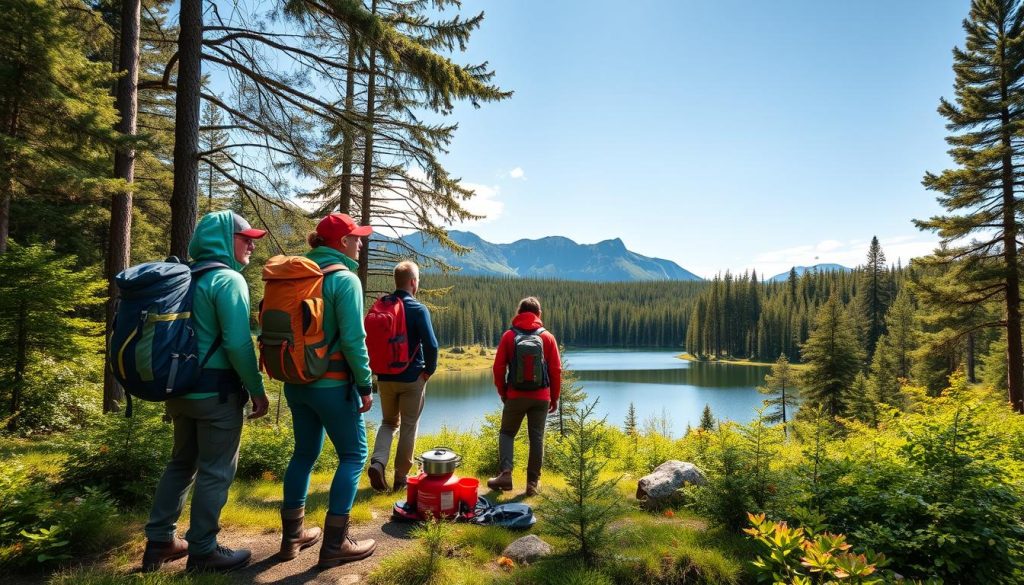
x=425 y=376
x=260 y=406
x=367 y=403
x=553 y=407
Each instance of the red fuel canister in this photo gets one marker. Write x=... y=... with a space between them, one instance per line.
x=437 y=495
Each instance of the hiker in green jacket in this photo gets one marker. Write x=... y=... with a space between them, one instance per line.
x=334 y=404
x=208 y=421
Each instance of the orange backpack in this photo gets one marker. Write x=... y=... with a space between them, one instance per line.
x=293 y=347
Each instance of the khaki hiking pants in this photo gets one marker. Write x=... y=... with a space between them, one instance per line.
x=401 y=404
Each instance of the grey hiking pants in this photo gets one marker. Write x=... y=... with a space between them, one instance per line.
x=206 y=439
x=536 y=414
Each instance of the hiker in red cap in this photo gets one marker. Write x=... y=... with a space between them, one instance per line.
x=208 y=420
x=335 y=403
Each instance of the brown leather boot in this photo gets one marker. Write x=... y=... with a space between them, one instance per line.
x=532 y=487
x=338 y=548
x=157 y=553
x=294 y=537
x=503 y=482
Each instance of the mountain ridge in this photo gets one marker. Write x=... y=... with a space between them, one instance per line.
x=552 y=257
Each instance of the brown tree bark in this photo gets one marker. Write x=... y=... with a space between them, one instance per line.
x=185 y=195
x=120 y=234
x=364 y=254
x=348 y=142
x=7 y=182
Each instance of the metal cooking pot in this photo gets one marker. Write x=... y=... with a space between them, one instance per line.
x=439 y=461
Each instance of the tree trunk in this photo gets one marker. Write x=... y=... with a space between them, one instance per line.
x=348 y=142
x=120 y=235
x=7 y=182
x=184 y=197
x=20 y=363
x=364 y=254
x=1014 y=351
x=970 y=359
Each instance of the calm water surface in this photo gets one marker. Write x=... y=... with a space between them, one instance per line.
x=655 y=382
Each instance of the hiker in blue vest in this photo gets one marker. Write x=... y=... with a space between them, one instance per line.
x=208 y=420
x=528 y=375
x=333 y=404
x=401 y=394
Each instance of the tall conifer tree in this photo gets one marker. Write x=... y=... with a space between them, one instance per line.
x=980 y=192
x=833 y=356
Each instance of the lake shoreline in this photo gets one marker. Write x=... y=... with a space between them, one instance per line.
x=690 y=358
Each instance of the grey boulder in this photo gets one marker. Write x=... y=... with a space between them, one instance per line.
x=527 y=549
x=662 y=485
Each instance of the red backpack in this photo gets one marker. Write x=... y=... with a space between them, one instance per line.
x=387 y=339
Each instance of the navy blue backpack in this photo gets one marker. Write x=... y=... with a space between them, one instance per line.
x=153 y=349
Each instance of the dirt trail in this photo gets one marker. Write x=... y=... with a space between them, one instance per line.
x=266 y=568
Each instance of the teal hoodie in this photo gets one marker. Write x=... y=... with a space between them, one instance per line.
x=343 y=309
x=221 y=304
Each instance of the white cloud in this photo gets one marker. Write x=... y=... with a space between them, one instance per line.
x=850 y=253
x=484 y=202
x=517 y=173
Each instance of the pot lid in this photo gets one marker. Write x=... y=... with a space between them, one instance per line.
x=439 y=454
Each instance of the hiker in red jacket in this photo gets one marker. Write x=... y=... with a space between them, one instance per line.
x=528 y=376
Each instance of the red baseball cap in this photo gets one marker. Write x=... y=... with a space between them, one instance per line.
x=338 y=225
x=243 y=228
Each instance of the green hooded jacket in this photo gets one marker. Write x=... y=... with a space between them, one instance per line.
x=343 y=318
x=221 y=304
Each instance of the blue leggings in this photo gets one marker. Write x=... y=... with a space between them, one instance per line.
x=336 y=411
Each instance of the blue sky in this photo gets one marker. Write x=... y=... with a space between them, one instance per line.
x=721 y=135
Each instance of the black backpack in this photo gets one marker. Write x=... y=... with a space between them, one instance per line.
x=527 y=370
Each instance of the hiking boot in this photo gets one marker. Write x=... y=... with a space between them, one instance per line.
x=294 y=537
x=338 y=548
x=221 y=560
x=157 y=553
x=503 y=482
x=531 y=488
x=399 y=485
x=376 y=474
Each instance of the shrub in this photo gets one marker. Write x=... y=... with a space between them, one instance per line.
x=124 y=457
x=41 y=527
x=58 y=395
x=794 y=555
x=266 y=450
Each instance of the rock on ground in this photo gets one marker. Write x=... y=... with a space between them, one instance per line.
x=661 y=485
x=527 y=549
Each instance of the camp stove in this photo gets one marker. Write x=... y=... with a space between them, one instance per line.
x=437 y=492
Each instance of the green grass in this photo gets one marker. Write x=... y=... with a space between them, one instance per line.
x=647 y=547
x=40 y=454
x=469 y=359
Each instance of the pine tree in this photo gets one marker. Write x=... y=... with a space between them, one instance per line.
x=630 y=425
x=56 y=113
x=980 y=193
x=40 y=297
x=833 y=357
x=873 y=292
x=707 y=419
x=780 y=384
x=213 y=138
x=582 y=511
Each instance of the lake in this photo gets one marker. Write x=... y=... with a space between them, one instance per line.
x=655 y=381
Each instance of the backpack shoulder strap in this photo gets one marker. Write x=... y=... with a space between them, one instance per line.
x=539 y=330
x=331 y=268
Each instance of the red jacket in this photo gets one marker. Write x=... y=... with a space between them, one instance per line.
x=528 y=322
